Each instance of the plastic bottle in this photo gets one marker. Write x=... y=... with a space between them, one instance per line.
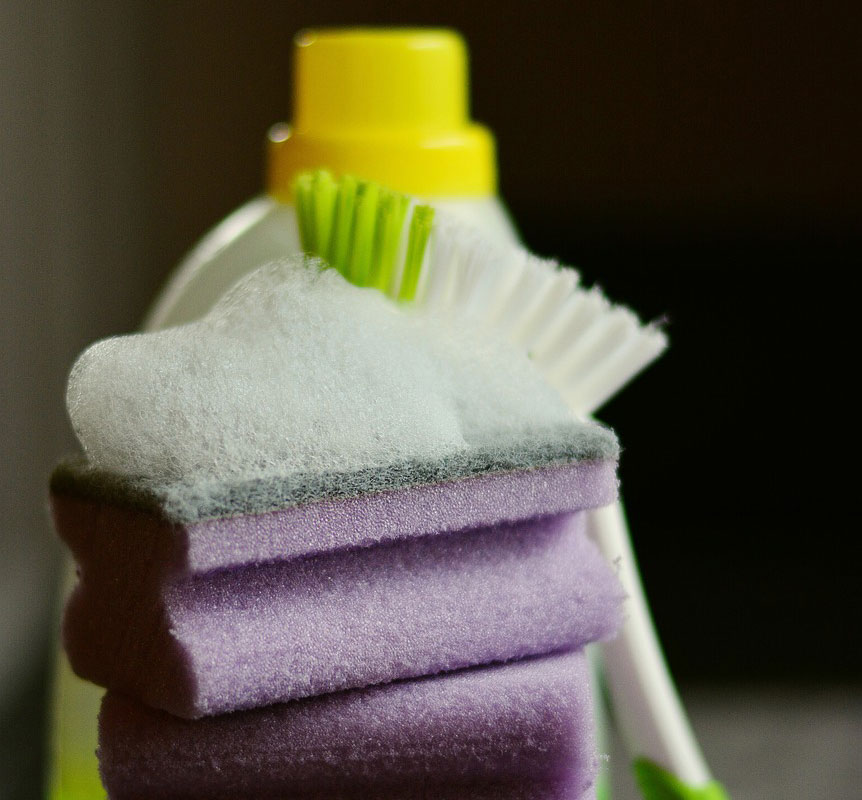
x=389 y=105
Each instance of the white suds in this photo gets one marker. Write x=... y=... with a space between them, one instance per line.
x=296 y=370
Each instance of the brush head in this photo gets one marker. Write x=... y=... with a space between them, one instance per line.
x=520 y=731
x=583 y=345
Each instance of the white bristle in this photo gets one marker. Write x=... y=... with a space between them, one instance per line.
x=458 y=256
x=586 y=347
x=541 y=314
x=508 y=305
x=441 y=266
x=596 y=343
x=398 y=268
x=475 y=261
x=493 y=288
x=579 y=312
x=530 y=289
x=589 y=392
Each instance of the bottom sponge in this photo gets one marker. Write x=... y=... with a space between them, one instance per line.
x=520 y=730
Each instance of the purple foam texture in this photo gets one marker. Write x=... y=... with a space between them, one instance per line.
x=235 y=639
x=197 y=545
x=519 y=731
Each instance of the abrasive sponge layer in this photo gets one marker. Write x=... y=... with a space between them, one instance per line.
x=263 y=521
x=520 y=730
x=246 y=638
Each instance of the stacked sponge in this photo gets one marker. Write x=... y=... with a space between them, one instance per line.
x=407 y=627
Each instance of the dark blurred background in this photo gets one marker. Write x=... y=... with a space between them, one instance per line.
x=701 y=161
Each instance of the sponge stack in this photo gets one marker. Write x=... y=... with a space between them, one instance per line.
x=409 y=627
x=166 y=629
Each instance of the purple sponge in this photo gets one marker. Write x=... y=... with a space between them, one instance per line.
x=262 y=522
x=243 y=638
x=520 y=730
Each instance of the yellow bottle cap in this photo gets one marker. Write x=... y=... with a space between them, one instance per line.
x=387 y=105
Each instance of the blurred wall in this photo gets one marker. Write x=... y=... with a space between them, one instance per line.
x=73 y=266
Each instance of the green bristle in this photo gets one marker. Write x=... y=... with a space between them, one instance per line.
x=362 y=243
x=325 y=192
x=420 y=230
x=342 y=232
x=303 y=190
x=390 y=222
x=356 y=226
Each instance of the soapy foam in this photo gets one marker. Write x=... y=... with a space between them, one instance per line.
x=297 y=371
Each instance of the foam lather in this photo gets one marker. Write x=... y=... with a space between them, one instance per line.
x=297 y=372
x=212 y=642
x=520 y=731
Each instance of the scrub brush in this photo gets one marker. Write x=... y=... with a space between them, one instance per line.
x=586 y=347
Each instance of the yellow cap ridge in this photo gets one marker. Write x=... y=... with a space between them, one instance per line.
x=384 y=104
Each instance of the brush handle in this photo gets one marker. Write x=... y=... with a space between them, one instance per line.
x=646 y=705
